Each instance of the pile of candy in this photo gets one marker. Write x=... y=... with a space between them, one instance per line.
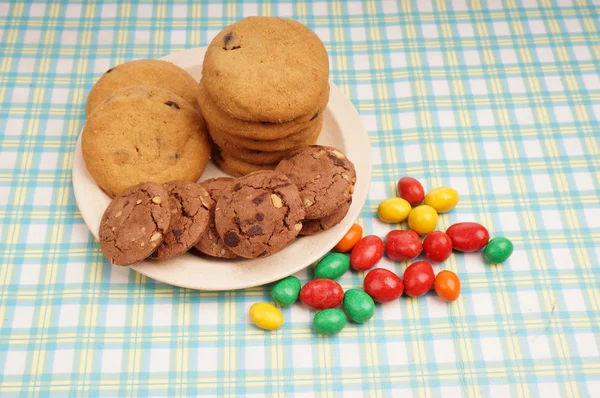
x=380 y=285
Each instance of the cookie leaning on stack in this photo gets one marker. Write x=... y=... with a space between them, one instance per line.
x=263 y=91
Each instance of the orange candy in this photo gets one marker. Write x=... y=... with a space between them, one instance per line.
x=447 y=285
x=350 y=239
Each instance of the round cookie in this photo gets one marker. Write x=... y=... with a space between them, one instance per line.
x=217 y=119
x=312 y=227
x=266 y=69
x=324 y=176
x=259 y=157
x=143 y=134
x=210 y=242
x=272 y=145
x=143 y=72
x=237 y=167
x=134 y=223
x=189 y=204
x=260 y=214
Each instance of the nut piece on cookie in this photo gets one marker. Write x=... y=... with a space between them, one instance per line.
x=210 y=242
x=190 y=214
x=324 y=176
x=134 y=225
x=259 y=215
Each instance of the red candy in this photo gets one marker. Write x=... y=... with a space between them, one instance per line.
x=383 y=285
x=437 y=246
x=411 y=190
x=402 y=245
x=321 y=294
x=468 y=236
x=418 y=278
x=366 y=253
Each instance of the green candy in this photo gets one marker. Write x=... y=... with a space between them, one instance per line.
x=359 y=306
x=332 y=266
x=329 y=321
x=286 y=291
x=498 y=250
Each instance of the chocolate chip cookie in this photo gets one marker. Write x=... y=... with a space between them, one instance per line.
x=324 y=176
x=219 y=120
x=260 y=157
x=280 y=144
x=141 y=134
x=260 y=214
x=312 y=227
x=135 y=223
x=237 y=167
x=143 y=72
x=190 y=207
x=266 y=69
x=210 y=242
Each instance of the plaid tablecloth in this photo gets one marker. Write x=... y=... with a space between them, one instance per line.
x=500 y=100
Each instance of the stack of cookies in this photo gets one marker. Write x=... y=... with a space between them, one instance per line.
x=263 y=90
x=143 y=125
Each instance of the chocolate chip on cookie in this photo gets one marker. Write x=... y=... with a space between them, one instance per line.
x=324 y=176
x=210 y=242
x=135 y=223
x=190 y=212
x=260 y=214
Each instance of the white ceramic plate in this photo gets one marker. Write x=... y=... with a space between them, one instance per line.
x=342 y=128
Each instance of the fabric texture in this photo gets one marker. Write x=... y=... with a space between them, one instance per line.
x=499 y=100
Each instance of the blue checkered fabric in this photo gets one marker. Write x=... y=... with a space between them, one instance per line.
x=498 y=99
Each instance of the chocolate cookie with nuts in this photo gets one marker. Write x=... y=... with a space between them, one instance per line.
x=135 y=223
x=260 y=214
x=324 y=176
x=190 y=213
x=210 y=242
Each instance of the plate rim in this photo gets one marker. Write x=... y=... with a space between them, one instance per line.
x=351 y=119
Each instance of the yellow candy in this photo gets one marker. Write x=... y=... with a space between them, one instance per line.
x=442 y=199
x=423 y=219
x=266 y=316
x=393 y=210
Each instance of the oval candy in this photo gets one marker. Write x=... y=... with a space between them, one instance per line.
x=402 y=245
x=411 y=190
x=332 y=266
x=349 y=240
x=383 y=285
x=498 y=250
x=442 y=199
x=359 y=306
x=437 y=246
x=321 y=294
x=393 y=210
x=423 y=219
x=366 y=253
x=266 y=316
x=329 y=321
x=286 y=291
x=468 y=237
